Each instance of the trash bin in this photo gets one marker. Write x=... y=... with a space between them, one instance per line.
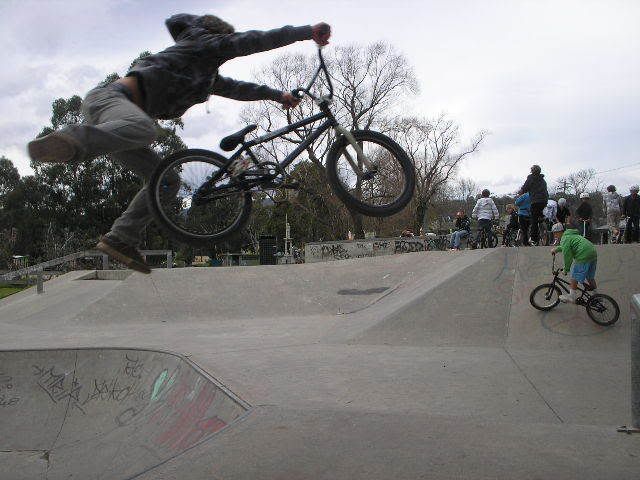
x=268 y=248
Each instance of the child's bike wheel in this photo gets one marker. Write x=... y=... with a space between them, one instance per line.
x=179 y=206
x=545 y=297
x=603 y=309
x=379 y=193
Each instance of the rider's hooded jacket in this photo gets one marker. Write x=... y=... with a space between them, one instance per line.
x=187 y=73
x=576 y=248
x=536 y=185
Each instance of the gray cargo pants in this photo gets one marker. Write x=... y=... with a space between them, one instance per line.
x=115 y=125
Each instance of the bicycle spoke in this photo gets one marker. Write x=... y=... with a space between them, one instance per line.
x=197 y=208
x=379 y=187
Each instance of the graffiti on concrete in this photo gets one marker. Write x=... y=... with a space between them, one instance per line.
x=373 y=247
x=133 y=367
x=410 y=245
x=65 y=386
x=8 y=398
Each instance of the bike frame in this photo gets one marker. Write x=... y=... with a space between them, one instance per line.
x=324 y=114
x=564 y=284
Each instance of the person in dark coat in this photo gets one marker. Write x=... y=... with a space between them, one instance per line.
x=563 y=211
x=536 y=187
x=631 y=210
x=584 y=214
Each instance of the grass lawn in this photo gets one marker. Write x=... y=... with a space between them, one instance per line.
x=6 y=291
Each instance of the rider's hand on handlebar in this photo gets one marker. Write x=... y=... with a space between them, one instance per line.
x=321 y=33
x=288 y=100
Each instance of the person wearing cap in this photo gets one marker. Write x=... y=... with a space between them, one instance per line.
x=631 y=210
x=580 y=258
x=557 y=229
x=536 y=187
x=563 y=211
x=613 y=204
x=584 y=214
x=119 y=118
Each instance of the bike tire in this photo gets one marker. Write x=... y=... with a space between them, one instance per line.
x=552 y=290
x=357 y=204
x=601 y=301
x=168 y=225
x=493 y=240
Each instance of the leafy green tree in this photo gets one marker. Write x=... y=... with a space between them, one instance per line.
x=66 y=207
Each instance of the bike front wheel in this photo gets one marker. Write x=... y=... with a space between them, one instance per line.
x=545 y=297
x=378 y=192
x=603 y=309
x=189 y=206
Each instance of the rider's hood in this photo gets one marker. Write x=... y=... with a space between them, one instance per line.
x=179 y=23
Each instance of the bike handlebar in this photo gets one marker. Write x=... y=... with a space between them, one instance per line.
x=299 y=92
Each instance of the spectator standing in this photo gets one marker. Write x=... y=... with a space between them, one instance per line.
x=584 y=214
x=563 y=211
x=462 y=230
x=631 y=210
x=523 y=202
x=512 y=224
x=550 y=212
x=613 y=204
x=536 y=186
x=485 y=211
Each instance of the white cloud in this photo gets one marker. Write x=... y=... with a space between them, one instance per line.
x=555 y=82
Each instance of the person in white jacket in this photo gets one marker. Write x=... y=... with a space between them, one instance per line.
x=485 y=211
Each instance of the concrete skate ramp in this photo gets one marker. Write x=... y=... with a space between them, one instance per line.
x=104 y=413
x=186 y=295
x=486 y=304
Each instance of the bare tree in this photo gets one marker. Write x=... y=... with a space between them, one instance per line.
x=370 y=83
x=464 y=188
x=430 y=145
x=577 y=182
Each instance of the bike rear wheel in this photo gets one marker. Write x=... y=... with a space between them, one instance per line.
x=183 y=204
x=603 y=309
x=379 y=193
x=492 y=240
x=545 y=297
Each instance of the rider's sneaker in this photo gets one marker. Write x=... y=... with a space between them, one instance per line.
x=567 y=299
x=124 y=253
x=52 y=148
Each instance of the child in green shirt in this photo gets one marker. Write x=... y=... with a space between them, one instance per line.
x=581 y=257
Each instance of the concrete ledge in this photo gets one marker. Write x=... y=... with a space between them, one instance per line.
x=106 y=275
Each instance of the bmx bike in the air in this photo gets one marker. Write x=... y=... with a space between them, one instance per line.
x=601 y=308
x=200 y=197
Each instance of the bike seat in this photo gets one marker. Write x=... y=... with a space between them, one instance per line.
x=232 y=141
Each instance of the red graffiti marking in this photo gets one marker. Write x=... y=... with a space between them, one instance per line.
x=186 y=422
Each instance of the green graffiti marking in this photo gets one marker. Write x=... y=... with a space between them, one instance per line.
x=157 y=386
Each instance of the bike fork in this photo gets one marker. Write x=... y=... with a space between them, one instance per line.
x=359 y=153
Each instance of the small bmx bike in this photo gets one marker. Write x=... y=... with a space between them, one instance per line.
x=601 y=308
x=200 y=197
x=484 y=239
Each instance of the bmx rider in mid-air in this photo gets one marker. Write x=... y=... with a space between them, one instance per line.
x=119 y=117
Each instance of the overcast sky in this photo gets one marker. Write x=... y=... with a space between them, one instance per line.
x=555 y=82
